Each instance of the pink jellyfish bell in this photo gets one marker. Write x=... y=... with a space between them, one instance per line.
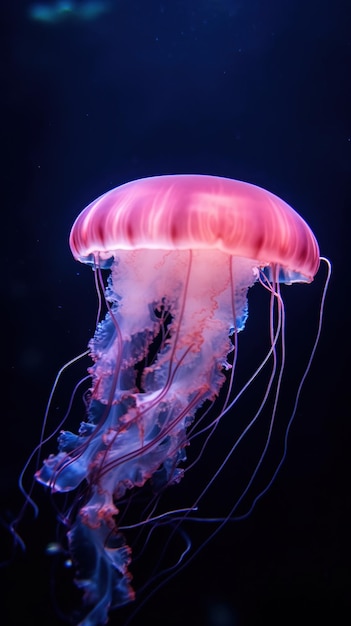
x=183 y=251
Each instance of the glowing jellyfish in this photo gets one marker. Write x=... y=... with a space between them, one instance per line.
x=63 y=10
x=183 y=251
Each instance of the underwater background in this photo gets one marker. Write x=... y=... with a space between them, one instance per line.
x=95 y=94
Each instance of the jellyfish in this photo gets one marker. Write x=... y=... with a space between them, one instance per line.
x=63 y=10
x=182 y=252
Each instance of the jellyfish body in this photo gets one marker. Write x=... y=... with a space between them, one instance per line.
x=183 y=252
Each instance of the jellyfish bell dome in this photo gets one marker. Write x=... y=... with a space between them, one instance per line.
x=197 y=212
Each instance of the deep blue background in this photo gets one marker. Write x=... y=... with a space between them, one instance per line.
x=254 y=90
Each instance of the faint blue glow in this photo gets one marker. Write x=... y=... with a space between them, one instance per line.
x=61 y=11
x=53 y=548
